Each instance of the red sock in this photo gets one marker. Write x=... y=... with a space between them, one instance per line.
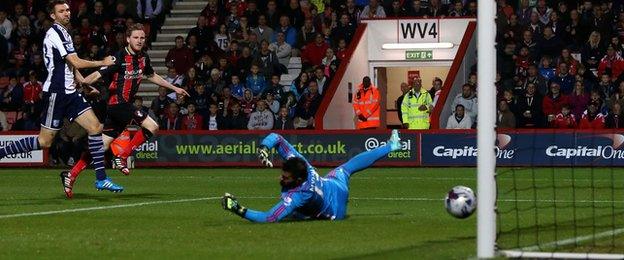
x=138 y=139
x=85 y=160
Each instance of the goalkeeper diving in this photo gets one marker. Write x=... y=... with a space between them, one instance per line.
x=306 y=195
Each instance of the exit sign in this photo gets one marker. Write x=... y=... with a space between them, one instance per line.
x=419 y=55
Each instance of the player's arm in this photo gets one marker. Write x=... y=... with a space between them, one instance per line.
x=158 y=80
x=79 y=63
x=281 y=210
x=285 y=149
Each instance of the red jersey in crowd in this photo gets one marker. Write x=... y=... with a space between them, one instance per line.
x=564 y=122
x=32 y=92
x=598 y=122
x=192 y=122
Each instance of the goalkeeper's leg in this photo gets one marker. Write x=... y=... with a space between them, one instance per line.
x=365 y=159
x=368 y=158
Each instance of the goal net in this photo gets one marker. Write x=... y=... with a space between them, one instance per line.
x=567 y=199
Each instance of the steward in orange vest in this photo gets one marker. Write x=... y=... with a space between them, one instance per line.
x=366 y=105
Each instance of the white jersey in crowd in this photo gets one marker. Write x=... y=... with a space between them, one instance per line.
x=222 y=41
x=57 y=44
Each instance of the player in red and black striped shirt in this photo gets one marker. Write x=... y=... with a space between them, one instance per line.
x=131 y=66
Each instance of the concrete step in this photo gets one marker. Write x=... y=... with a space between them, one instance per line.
x=156 y=54
x=161 y=70
x=199 y=5
x=169 y=37
x=186 y=11
x=162 y=46
x=147 y=86
x=185 y=20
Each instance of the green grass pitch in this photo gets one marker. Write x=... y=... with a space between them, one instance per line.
x=176 y=213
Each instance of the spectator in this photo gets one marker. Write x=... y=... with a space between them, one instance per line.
x=267 y=60
x=469 y=100
x=618 y=96
x=215 y=84
x=591 y=52
x=546 y=69
x=313 y=53
x=272 y=104
x=306 y=33
x=549 y=44
x=566 y=57
x=190 y=79
x=238 y=89
x=398 y=103
x=295 y=15
x=595 y=98
x=553 y=102
x=244 y=62
x=272 y=14
x=150 y=13
x=248 y=102
x=6 y=26
x=275 y=88
x=289 y=32
x=564 y=120
x=436 y=9
x=173 y=77
x=263 y=31
x=417 y=9
x=202 y=32
x=256 y=82
x=458 y=11
x=180 y=57
x=307 y=106
x=12 y=96
x=222 y=38
x=215 y=120
x=227 y=101
x=236 y=120
x=161 y=102
x=321 y=80
x=252 y=13
x=26 y=123
x=458 y=120
x=416 y=107
x=283 y=121
x=505 y=119
x=605 y=87
x=345 y=30
x=436 y=90
x=261 y=119
x=138 y=105
x=172 y=119
x=612 y=63
x=579 y=100
x=534 y=77
x=32 y=89
x=564 y=79
x=282 y=49
x=592 y=118
x=4 y=125
x=192 y=120
x=530 y=108
x=373 y=10
x=615 y=119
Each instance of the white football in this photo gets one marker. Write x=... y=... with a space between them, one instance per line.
x=460 y=202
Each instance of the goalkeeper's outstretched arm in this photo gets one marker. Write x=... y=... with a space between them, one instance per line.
x=285 y=149
x=282 y=209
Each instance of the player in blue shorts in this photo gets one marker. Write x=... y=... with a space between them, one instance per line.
x=61 y=100
x=306 y=195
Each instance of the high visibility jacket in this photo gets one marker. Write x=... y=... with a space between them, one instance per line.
x=411 y=115
x=366 y=103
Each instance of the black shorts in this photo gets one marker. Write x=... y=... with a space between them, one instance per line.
x=119 y=116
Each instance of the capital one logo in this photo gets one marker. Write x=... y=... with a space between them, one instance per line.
x=502 y=140
x=609 y=151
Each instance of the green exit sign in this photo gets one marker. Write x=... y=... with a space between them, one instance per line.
x=419 y=55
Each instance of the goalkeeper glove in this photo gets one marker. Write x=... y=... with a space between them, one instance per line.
x=229 y=202
x=263 y=155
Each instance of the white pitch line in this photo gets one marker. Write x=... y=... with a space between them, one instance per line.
x=575 y=240
x=55 y=212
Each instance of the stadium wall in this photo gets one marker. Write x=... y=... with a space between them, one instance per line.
x=431 y=148
x=350 y=73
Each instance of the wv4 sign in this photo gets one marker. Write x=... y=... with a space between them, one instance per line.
x=419 y=31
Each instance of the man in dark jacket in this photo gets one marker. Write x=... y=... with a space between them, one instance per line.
x=236 y=120
x=283 y=122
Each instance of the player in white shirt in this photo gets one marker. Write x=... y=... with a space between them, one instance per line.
x=61 y=99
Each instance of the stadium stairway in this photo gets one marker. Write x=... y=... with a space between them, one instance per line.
x=183 y=18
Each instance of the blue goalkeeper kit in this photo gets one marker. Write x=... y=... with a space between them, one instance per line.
x=318 y=197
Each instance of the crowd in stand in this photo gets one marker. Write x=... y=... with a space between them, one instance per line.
x=559 y=62
x=559 y=65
